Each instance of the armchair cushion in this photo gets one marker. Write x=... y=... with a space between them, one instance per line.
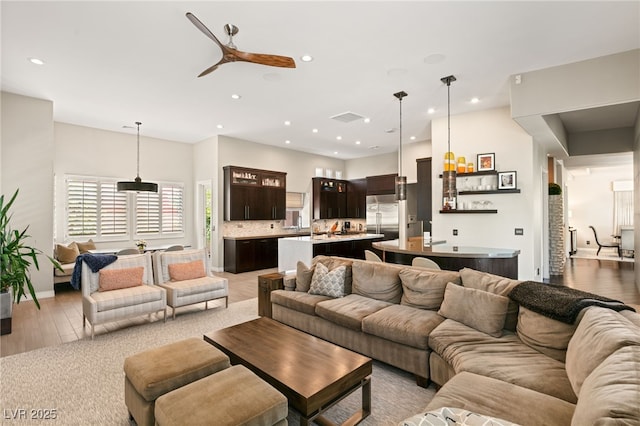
x=114 y=279
x=187 y=270
x=127 y=297
x=164 y=259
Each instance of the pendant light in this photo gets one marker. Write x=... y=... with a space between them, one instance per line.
x=449 y=175
x=138 y=185
x=401 y=181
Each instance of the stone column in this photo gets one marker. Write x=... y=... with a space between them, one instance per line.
x=557 y=257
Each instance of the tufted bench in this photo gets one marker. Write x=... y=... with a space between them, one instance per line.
x=154 y=372
x=235 y=396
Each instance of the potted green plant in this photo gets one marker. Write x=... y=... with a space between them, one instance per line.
x=16 y=257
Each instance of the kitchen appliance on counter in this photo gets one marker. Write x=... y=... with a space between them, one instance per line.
x=382 y=215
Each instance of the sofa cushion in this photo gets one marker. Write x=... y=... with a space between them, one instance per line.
x=504 y=358
x=350 y=310
x=328 y=283
x=544 y=334
x=493 y=284
x=600 y=333
x=377 y=280
x=492 y=397
x=303 y=276
x=402 y=324
x=424 y=289
x=127 y=297
x=85 y=247
x=611 y=393
x=200 y=285
x=187 y=270
x=114 y=279
x=479 y=309
x=67 y=270
x=297 y=300
x=67 y=254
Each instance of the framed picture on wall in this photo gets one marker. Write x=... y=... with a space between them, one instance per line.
x=507 y=180
x=486 y=162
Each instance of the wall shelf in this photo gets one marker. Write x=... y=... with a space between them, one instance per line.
x=495 y=191
x=468 y=211
x=483 y=173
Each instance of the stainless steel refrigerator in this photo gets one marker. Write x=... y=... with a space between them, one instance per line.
x=382 y=215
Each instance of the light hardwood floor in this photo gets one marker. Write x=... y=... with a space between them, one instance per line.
x=60 y=318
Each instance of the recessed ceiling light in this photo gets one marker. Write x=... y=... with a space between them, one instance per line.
x=335 y=152
x=315 y=130
x=435 y=58
x=357 y=142
x=306 y=58
x=287 y=123
x=413 y=138
x=367 y=120
x=287 y=141
x=220 y=126
x=475 y=100
x=36 y=61
x=431 y=110
x=339 y=138
x=235 y=96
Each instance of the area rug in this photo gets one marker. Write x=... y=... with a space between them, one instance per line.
x=82 y=382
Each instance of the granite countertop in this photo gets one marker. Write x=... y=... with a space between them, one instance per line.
x=444 y=250
x=259 y=237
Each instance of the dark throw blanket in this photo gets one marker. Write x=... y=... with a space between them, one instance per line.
x=559 y=302
x=93 y=261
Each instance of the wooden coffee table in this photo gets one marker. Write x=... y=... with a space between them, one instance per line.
x=312 y=373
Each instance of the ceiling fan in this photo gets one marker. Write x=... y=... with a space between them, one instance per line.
x=231 y=54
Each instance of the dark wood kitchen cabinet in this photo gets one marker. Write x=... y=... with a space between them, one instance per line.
x=357 y=198
x=329 y=198
x=250 y=254
x=253 y=194
x=381 y=184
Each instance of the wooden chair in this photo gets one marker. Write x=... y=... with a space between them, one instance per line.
x=600 y=245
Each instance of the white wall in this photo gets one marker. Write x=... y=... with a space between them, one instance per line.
x=490 y=131
x=590 y=200
x=95 y=152
x=27 y=164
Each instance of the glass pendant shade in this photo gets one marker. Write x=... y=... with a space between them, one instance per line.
x=449 y=176
x=401 y=188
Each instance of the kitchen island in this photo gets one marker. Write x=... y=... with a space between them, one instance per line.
x=497 y=261
x=294 y=249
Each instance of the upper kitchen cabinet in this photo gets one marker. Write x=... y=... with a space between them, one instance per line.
x=381 y=184
x=357 y=198
x=329 y=198
x=253 y=194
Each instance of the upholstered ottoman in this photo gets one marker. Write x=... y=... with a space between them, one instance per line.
x=154 y=372
x=235 y=396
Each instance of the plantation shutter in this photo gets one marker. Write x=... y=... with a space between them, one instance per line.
x=147 y=213
x=113 y=210
x=82 y=207
x=172 y=208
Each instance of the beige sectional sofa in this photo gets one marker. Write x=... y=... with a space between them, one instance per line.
x=490 y=356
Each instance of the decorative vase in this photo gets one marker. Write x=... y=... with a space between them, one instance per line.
x=6 y=311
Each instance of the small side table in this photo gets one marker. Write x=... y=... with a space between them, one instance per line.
x=266 y=284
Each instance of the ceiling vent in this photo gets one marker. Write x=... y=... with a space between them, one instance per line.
x=347 y=117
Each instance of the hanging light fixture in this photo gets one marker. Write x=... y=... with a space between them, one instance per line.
x=138 y=185
x=449 y=191
x=401 y=181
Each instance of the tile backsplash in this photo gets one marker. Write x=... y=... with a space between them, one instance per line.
x=248 y=228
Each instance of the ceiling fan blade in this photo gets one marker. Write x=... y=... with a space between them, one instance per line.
x=263 y=59
x=199 y=25
x=209 y=70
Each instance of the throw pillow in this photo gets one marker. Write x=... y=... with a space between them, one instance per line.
x=493 y=284
x=186 y=271
x=67 y=254
x=425 y=289
x=332 y=263
x=303 y=277
x=328 y=283
x=477 y=309
x=376 y=280
x=114 y=279
x=453 y=416
x=85 y=247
